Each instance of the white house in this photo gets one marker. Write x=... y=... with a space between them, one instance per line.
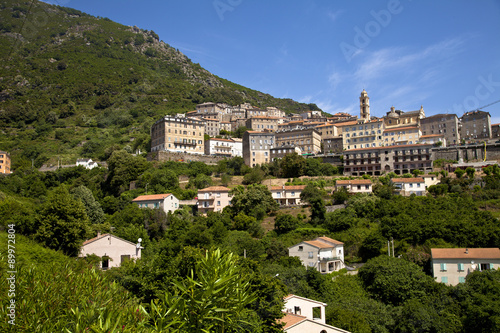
x=168 y=202
x=323 y=253
x=87 y=163
x=430 y=180
x=114 y=250
x=355 y=185
x=409 y=186
x=306 y=315
x=451 y=266
x=287 y=195
x=224 y=147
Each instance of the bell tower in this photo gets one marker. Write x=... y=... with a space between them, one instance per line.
x=364 y=106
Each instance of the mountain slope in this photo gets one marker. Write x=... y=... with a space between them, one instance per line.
x=68 y=78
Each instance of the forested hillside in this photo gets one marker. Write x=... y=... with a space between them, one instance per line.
x=72 y=84
x=61 y=209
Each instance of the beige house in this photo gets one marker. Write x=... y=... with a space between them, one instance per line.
x=5 y=162
x=441 y=124
x=430 y=180
x=306 y=315
x=355 y=185
x=287 y=195
x=451 y=266
x=323 y=253
x=115 y=250
x=409 y=186
x=404 y=135
x=178 y=135
x=213 y=199
x=167 y=202
x=212 y=126
x=363 y=134
x=256 y=147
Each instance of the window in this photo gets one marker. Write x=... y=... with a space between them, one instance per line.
x=461 y=279
x=301 y=248
x=310 y=255
x=443 y=267
x=444 y=279
x=218 y=203
x=460 y=267
x=293 y=194
x=312 y=264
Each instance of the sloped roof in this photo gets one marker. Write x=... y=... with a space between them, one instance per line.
x=152 y=197
x=461 y=253
x=290 y=187
x=290 y=319
x=214 y=189
x=354 y=182
x=103 y=236
x=331 y=240
x=431 y=136
x=408 y=180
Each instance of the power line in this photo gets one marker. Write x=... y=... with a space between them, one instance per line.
x=482 y=107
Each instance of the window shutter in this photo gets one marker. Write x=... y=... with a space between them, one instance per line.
x=460 y=267
x=443 y=266
x=444 y=279
x=461 y=279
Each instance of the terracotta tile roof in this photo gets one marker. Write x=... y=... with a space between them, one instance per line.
x=257 y=132
x=291 y=319
x=431 y=136
x=331 y=240
x=326 y=125
x=347 y=123
x=408 y=180
x=354 y=182
x=319 y=244
x=151 y=197
x=460 y=253
x=290 y=187
x=214 y=189
x=220 y=139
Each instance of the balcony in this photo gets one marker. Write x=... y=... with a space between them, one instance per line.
x=192 y=143
x=326 y=259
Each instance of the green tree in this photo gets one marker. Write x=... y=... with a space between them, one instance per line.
x=122 y=169
x=340 y=195
x=255 y=200
x=285 y=223
x=470 y=172
x=62 y=223
x=459 y=172
x=293 y=165
x=92 y=207
x=256 y=176
x=314 y=197
x=214 y=297
x=200 y=181
x=240 y=131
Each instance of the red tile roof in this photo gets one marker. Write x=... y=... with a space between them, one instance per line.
x=408 y=180
x=291 y=319
x=431 y=136
x=400 y=128
x=460 y=253
x=331 y=240
x=151 y=197
x=354 y=182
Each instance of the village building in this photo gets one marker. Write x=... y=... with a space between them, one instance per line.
x=257 y=146
x=178 y=135
x=166 y=202
x=5 y=163
x=323 y=253
x=213 y=199
x=113 y=250
x=355 y=185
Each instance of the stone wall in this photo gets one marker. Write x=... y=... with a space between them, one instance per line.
x=163 y=156
x=470 y=153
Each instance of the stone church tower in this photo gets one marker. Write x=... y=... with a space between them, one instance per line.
x=364 y=106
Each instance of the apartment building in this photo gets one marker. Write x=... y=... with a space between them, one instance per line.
x=209 y=107
x=275 y=112
x=446 y=125
x=261 y=123
x=495 y=131
x=476 y=126
x=308 y=140
x=178 y=135
x=362 y=134
x=401 y=118
x=5 y=162
x=212 y=126
x=434 y=139
x=330 y=139
x=292 y=124
x=213 y=199
x=254 y=112
x=280 y=152
x=225 y=125
x=257 y=146
x=224 y=147
x=378 y=160
x=401 y=135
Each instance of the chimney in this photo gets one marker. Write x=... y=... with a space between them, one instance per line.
x=466 y=251
x=98 y=233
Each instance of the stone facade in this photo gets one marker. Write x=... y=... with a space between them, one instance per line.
x=476 y=126
x=443 y=124
x=260 y=123
x=257 y=146
x=308 y=140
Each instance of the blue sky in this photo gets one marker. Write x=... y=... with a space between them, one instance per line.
x=444 y=55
